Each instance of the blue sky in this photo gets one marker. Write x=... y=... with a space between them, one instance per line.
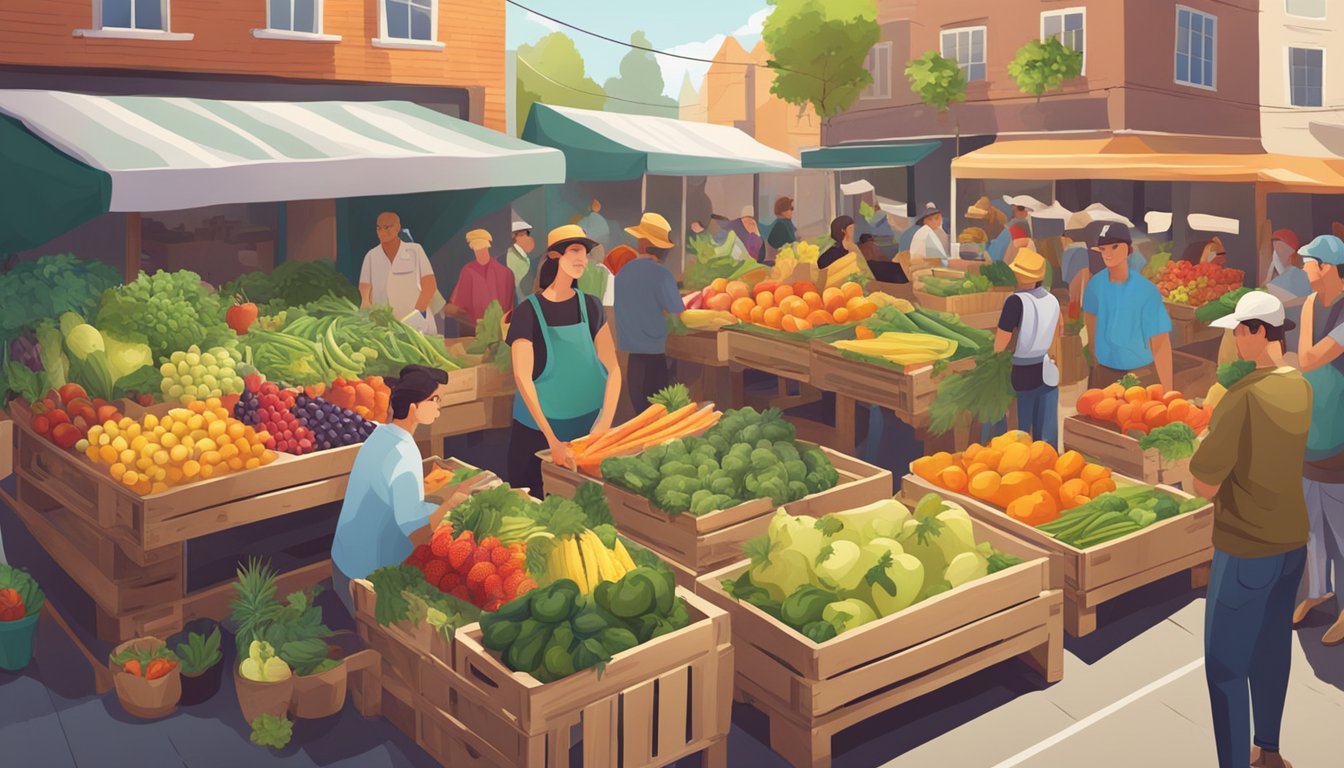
x=688 y=27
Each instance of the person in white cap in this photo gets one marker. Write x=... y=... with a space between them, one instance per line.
x=930 y=241
x=1019 y=223
x=1249 y=464
x=518 y=259
x=398 y=274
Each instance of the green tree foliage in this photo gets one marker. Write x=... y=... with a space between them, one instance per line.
x=551 y=71
x=641 y=80
x=818 y=50
x=1043 y=65
x=937 y=81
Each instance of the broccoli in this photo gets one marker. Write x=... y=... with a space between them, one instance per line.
x=1167 y=507
x=821 y=474
x=676 y=450
x=737 y=461
x=797 y=490
x=654 y=455
x=678 y=468
x=787 y=451
x=723 y=483
x=673 y=494
x=770 y=484
x=763 y=459
x=703 y=502
x=779 y=431
x=1110 y=502
x=750 y=434
x=797 y=470
x=630 y=472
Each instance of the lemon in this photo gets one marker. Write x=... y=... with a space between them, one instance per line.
x=179 y=454
x=191 y=468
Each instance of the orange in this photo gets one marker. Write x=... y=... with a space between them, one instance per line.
x=773 y=317
x=1155 y=414
x=719 y=285
x=737 y=289
x=721 y=302
x=1087 y=403
x=789 y=323
x=742 y=307
x=866 y=310
x=832 y=298
x=765 y=299
x=1156 y=392
x=803 y=325
x=851 y=290
x=819 y=317
x=1124 y=413
x=840 y=314
x=1178 y=410
x=813 y=300
x=803 y=286
x=794 y=306
x=1172 y=397
x=1104 y=409
x=864 y=332
x=1136 y=394
x=852 y=303
x=783 y=292
x=1115 y=390
x=758 y=314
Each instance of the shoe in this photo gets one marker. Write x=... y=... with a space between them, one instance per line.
x=1262 y=759
x=1307 y=606
x=1335 y=634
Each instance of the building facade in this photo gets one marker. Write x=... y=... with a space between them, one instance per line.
x=1301 y=74
x=736 y=92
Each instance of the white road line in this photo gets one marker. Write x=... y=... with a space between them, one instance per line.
x=1097 y=716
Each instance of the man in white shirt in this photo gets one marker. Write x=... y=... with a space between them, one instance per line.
x=930 y=241
x=398 y=274
x=518 y=259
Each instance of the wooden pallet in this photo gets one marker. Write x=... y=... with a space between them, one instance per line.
x=812 y=691
x=1122 y=453
x=1185 y=329
x=1092 y=576
x=907 y=393
x=653 y=705
x=705 y=542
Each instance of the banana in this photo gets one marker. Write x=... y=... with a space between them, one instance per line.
x=605 y=568
x=590 y=572
x=574 y=565
x=623 y=557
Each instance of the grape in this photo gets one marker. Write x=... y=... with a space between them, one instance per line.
x=191 y=378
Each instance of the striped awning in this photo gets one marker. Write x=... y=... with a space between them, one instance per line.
x=174 y=153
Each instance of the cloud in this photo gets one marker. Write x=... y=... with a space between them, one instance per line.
x=754 y=24
x=543 y=21
x=674 y=69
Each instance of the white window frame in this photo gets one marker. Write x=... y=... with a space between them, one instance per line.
x=1064 y=13
x=1288 y=72
x=1176 y=51
x=268 y=33
x=871 y=93
x=984 y=48
x=131 y=33
x=1325 y=5
x=383 y=41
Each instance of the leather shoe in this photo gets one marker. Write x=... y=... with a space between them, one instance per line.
x=1307 y=606
x=1263 y=759
x=1335 y=634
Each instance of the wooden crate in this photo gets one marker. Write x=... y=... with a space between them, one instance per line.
x=895 y=290
x=700 y=347
x=812 y=691
x=1073 y=363
x=907 y=393
x=1106 y=446
x=561 y=481
x=971 y=304
x=706 y=542
x=1092 y=576
x=464 y=418
x=1191 y=374
x=1185 y=329
x=6 y=445
x=785 y=358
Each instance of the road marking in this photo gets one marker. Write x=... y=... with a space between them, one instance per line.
x=1097 y=716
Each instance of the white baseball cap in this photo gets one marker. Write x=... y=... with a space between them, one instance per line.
x=1256 y=305
x=520 y=226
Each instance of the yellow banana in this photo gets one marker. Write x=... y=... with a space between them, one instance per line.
x=623 y=557
x=589 y=563
x=605 y=567
x=574 y=564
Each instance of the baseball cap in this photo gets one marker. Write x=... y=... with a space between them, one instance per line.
x=1326 y=249
x=1112 y=232
x=1256 y=305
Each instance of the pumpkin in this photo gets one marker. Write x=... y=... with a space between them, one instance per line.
x=1037 y=508
x=953 y=478
x=985 y=485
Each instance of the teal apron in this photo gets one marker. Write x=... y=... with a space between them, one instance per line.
x=1326 y=437
x=574 y=383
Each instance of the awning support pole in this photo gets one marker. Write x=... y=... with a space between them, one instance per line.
x=952 y=216
x=133 y=247
x=643 y=193
x=1263 y=232
x=685 y=231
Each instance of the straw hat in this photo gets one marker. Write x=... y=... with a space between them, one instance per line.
x=929 y=210
x=561 y=238
x=479 y=238
x=1029 y=264
x=653 y=228
x=980 y=209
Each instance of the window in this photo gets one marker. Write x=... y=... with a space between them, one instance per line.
x=1306 y=68
x=1067 y=26
x=1196 y=48
x=878 y=65
x=1307 y=9
x=966 y=46
x=134 y=14
x=409 y=19
x=295 y=15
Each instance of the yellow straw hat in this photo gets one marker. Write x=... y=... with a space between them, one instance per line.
x=653 y=228
x=560 y=238
x=1029 y=264
x=477 y=236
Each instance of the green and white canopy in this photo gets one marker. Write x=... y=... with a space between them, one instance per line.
x=612 y=146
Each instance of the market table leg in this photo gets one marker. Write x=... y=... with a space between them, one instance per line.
x=366 y=682
x=844 y=424
x=802 y=747
x=716 y=756
x=737 y=386
x=1048 y=657
x=1199 y=576
x=1079 y=621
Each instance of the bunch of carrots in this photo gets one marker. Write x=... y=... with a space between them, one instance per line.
x=671 y=414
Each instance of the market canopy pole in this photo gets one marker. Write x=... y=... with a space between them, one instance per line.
x=644 y=193
x=133 y=246
x=684 y=230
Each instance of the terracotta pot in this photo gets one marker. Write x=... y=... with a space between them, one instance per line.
x=257 y=698
x=148 y=699
x=320 y=695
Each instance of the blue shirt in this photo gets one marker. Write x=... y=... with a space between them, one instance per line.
x=384 y=503
x=645 y=290
x=1294 y=281
x=1128 y=315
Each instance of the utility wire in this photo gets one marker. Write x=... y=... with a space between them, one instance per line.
x=553 y=81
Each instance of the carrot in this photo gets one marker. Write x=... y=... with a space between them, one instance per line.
x=646 y=417
x=132 y=667
x=674 y=426
x=660 y=425
x=158 y=668
x=701 y=419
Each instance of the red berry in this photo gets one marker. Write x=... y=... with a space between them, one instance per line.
x=493 y=586
x=461 y=593
x=460 y=551
x=508 y=569
x=435 y=570
x=421 y=554
x=500 y=555
x=479 y=572
x=511 y=583
x=525 y=586
x=450 y=581
x=481 y=555
x=489 y=542
x=441 y=542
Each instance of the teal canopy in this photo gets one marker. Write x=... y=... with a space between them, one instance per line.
x=44 y=193
x=855 y=156
x=611 y=146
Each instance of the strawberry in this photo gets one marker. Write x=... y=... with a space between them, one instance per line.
x=460 y=551
x=508 y=569
x=421 y=555
x=441 y=542
x=494 y=586
x=479 y=572
x=435 y=570
x=499 y=556
x=525 y=586
x=511 y=583
x=450 y=581
x=490 y=542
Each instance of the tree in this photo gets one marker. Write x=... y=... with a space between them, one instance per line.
x=819 y=51
x=551 y=71
x=939 y=83
x=641 y=80
x=1044 y=65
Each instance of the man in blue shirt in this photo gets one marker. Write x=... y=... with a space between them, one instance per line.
x=646 y=292
x=1127 y=325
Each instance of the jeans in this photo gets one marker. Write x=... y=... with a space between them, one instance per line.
x=1038 y=413
x=1248 y=636
x=990 y=431
x=1325 y=512
x=877 y=423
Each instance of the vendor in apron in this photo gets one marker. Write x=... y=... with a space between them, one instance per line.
x=398 y=274
x=564 y=362
x=1033 y=313
x=1321 y=357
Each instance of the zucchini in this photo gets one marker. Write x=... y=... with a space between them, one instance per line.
x=928 y=325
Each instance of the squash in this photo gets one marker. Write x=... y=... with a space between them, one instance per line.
x=1052 y=482
x=971 y=451
x=1093 y=472
x=990 y=457
x=1016 y=485
x=1070 y=492
x=1087 y=402
x=1034 y=509
x=1008 y=438
x=1070 y=464
x=1104 y=485
x=976 y=468
x=1105 y=409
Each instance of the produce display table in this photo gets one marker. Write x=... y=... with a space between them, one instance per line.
x=493 y=412
x=1185 y=329
x=1106 y=446
x=812 y=691
x=978 y=310
x=709 y=351
x=1094 y=575
x=696 y=544
x=775 y=354
x=652 y=705
x=907 y=392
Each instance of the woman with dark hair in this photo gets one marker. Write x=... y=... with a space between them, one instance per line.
x=842 y=232
x=564 y=362
x=385 y=498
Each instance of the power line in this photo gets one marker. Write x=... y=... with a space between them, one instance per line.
x=553 y=81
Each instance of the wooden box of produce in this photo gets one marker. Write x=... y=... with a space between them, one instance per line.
x=812 y=691
x=1106 y=446
x=907 y=392
x=970 y=305
x=696 y=544
x=780 y=354
x=1094 y=575
x=652 y=705
x=895 y=290
x=479 y=380
x=1185 y=329
x=561 y=481
x=700 y=347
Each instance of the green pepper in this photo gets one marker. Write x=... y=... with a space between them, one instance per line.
x=819 y=631
x=805 y=605
x=590 y=653
x=556 y=603
x=525 y=653
x=642 y=591
x=618 y=639
x=556 y=663
x=562 y=637
x=589 y=621
x=602 y=595
x=514 y=610
x=498 y=635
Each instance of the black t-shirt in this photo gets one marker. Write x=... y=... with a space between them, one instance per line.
x=832 y=255
x=524 y=323
x=1025 y=377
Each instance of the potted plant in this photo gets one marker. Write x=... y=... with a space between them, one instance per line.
x=264 y=683
x=147 y=677
x=202 y=673
x=20 y=604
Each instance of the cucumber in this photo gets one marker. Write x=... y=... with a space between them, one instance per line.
x=1103 y=520
x=929 y=325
